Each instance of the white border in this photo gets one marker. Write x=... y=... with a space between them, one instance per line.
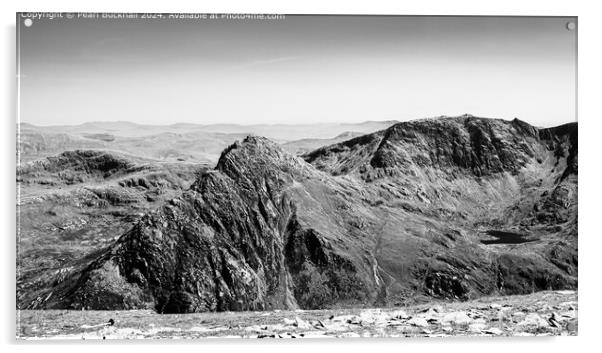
x=590 y=83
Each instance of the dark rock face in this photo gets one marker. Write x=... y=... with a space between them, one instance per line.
x=375 y=220
x=482 y=146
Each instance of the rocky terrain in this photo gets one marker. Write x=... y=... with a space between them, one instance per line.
x=79 y=202
x=447 y=208
x=539 y=314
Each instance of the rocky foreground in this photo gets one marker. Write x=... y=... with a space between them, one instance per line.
x=539 y=314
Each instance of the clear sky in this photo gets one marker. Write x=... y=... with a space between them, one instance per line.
x=301 y=69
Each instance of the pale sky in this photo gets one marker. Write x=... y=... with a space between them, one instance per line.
x=301 y=69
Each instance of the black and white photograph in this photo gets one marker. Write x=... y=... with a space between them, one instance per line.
x=273 y=176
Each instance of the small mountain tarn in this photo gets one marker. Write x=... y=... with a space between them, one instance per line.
x=402 y=215
x=503 y=237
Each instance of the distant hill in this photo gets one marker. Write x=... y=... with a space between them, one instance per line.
x=277 y=132
x=302 y=146
x=177 y=142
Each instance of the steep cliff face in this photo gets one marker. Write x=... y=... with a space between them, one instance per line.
x=465 y=144
x=450 y=207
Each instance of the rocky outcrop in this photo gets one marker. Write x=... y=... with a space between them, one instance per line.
x=75 y=204
x=73 y=167
x=394 y=216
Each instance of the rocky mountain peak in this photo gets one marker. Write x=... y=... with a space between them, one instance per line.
x=483 y=146
x=464 y=144
x=256 y=158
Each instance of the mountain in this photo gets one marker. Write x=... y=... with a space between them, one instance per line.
x=450 y=208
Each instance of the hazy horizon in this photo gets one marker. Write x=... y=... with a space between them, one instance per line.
x=297 y=70
x=271 y=124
